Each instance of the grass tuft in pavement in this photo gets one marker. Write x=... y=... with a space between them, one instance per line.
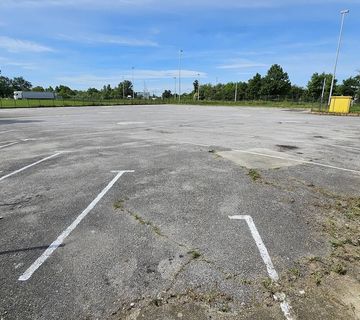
x=254 y=174
x=194 y=254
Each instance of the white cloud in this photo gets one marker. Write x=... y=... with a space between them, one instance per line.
x=17 y=45
x=241 y=64
x=23 y=65
x=91 y=80
x=109 y=39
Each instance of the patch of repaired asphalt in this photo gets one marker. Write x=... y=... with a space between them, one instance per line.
x=258 y=158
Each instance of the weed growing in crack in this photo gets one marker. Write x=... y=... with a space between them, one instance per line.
x=339 y=269
x=295 y=272
x=254 y=174
x=269 y=285
x=194 y=254
x=120 y=204
x=142 y=221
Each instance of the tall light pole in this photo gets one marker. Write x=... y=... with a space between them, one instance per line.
x=132 y=75
x=180 y=56
x=343 y=13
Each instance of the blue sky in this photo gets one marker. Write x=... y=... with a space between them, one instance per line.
x=88 y=43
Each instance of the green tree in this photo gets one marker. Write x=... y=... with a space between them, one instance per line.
x=242 y=90
x=107 y=92
x=297 y=93
x=207 y=92
x=20 y=84
x=167 y=94
x=196 y=86
x=50 y=89
x=38 y=89
x=218 y=92
x=254 y=87
x=64 y=91
x=228 y=92
x=350 y=87
x=125 y=87
x=276 y=82
x=6 y=89
x=93 y=94
x=315 y=85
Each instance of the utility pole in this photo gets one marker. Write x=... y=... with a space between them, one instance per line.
x=133 y=86
x=198 y=87
x=123 y=88
x=180 y=56
x=175 y=88
x=343 y=13
x=322 y=94
x=236 y=85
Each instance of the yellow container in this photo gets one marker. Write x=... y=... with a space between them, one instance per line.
x=340 y=104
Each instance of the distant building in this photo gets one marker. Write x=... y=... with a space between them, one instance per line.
x=18 y=95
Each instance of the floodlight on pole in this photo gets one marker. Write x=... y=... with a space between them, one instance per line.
x=343 y=13
x=180 y=55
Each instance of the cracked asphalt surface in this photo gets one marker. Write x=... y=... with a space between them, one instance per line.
x=159 y=244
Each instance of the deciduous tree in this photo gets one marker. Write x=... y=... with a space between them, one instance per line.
x=276 y=82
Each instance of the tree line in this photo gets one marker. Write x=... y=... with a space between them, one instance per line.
x=123 y=90
x=273 y=86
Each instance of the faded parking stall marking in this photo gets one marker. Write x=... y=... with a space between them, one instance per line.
x=9 y=144
x=273 y=275
x=299 y=161
x=47 y=253
x=29 y=166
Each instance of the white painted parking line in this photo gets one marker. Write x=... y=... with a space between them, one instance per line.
x=15 y=142
x=6 y=131
x=260 y=244
x=29 y=139
x=130 y=122
x=291 y=121
x=29 y=166
x=47 y=253
x=279 y=296
x=178 y=142
x=300 y=161
x=9 y=144
x=346 y=147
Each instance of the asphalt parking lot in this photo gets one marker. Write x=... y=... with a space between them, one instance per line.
x=157 y=212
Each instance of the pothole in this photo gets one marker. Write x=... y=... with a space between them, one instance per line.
x=285 y=147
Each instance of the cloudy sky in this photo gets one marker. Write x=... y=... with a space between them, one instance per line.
x=88 y=43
